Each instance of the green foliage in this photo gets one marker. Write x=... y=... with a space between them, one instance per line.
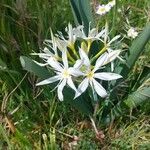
x=82 y=13
x=135 y=50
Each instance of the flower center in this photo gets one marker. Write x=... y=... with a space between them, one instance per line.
x=90 y=75
x=102 y=10
x=65 y=74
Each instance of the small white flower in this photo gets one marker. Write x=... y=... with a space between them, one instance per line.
x=72 y=34
x=93 y=34
x=103 y=9
x=91 y=74
x=64 y=75
x=132 y=33
x=112 y=3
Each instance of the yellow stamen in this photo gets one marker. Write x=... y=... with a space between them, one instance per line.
x=90 y=74
x=65 y=74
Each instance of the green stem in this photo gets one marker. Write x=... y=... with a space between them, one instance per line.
x=104 y=49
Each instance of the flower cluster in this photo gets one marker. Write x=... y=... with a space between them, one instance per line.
x=103 y=9
x=72 y=64
x=132 y=33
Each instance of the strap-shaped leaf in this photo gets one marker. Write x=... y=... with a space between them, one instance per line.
x=134 y=99
x=82 y=13
x=81 y=104
x=138 y=97
x=136 y=49
x=32 y=67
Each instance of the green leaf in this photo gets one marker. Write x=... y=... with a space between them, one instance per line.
x=82 y=104
x=30 y=66
x=134 y=99
x=82 y=13
x=135 y=50
x=138 y=97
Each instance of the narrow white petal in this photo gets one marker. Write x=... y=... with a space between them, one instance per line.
x=107 y=76
x=71 y=84
x=84 y=57
x=75 y=72
x=49 y=80
x=82 y=87
x=99 y=89
x=112 y=56
x=101 y=61
x=54 y=64
x=78 y=64
x=93 y=32
x=40 y=64
x=100 y=34
x=46 y=50
x=64 y=59
x=42 y=55
x=60 y=89
x=112 y=66
x=114 y=39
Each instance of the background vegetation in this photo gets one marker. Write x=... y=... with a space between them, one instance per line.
x=33 y=118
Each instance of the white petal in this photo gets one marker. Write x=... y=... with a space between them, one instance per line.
x=42 y=55
x=71 y=84
x=75 y=72
x=112 y=56
x=93 y=32
x=40 y=64
x=60 y=89
x=70 y=33
x=54 y=64
x=46 y=50
x=99 y=89
x=64 y=59
x=100 y=34
x=114 y=39
x=107 y=76
x=78 y=64
x=100 y=61
x=112 y=66
x=61 y=44
x=49 y=80
x=84 y=57
x=82 y=87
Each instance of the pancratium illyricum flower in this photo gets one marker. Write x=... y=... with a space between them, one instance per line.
x=103 y=9
x=72 y=34
x=92 y=75
x=64 y=75
x=69 y=65
x=132 y=33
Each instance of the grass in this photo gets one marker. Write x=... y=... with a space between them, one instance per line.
x=33 y=118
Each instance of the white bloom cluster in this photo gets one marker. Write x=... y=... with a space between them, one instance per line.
x=132 y=33
x=103 y=9
x=72 y=65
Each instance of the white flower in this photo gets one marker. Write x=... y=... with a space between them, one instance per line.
x=112 y=3
x=72 y=34
x=132 y=33
x=64 y=74
x=91 y=74
x=103 y=9
x=93 y=34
